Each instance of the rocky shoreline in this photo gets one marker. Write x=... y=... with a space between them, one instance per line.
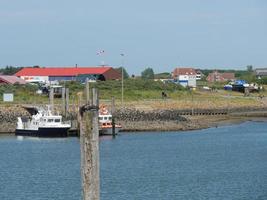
x=171 y=120
x=8 y=117
x=157 y=120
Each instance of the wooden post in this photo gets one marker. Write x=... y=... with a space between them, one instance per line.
x=51 y=99
x=113 y=118
x=87 y=91
x=67 y=96
x=89 y=135
x=79 y=94
x=63 y=106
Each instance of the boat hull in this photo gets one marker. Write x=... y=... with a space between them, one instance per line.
x=43 y=132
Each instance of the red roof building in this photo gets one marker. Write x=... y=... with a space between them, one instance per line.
x=183 y=71
x=220 y=77
x=68 y=73
x=4 y=79
x=185 y=76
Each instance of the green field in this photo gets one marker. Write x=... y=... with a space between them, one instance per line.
x=139 y=93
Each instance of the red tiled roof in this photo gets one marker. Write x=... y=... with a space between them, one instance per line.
x=61 y=71
x=216 y=76
x=228 y=76
x=11 y=79
x=184 y=71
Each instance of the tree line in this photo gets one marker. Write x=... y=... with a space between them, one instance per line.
x=148 y=73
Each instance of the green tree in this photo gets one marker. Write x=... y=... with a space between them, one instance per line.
x=148 y=73
x=10 y=70
x=250 y=68
x=249 y=77
x=164 y=75
x=125 y=73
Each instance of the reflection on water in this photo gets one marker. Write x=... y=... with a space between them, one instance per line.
x=218 y=163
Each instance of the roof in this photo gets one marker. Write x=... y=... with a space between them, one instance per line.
x=217 y=76
x=228 y=76
x=11 y=79
x=261 y=71
x=184 y=71
x=61 y=71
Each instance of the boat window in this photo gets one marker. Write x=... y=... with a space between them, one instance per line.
x=105 y=118
x=100 y=118
x=50 y=120
x=57 y=120
x=110 y=118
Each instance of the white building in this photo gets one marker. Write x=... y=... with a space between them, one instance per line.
x=185 y=76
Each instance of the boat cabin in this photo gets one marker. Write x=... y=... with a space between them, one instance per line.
x=51 y=120
x=105 y=118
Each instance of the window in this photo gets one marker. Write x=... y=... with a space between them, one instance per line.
x=57 y=120
x=50 y=120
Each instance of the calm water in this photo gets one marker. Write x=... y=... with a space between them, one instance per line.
x=219 y=163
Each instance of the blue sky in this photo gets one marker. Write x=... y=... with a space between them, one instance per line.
x=158 y=34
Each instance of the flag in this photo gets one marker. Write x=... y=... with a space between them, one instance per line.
x=100 y=52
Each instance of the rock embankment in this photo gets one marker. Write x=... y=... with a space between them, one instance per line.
x=157 y=120
x=173 y=120
x=8 y=117
x=156 y=115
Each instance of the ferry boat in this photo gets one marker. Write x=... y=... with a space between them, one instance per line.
x=42 y=124
x=105 y=122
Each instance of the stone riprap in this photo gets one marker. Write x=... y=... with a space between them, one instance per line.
x=127 y=114
x=8 y=117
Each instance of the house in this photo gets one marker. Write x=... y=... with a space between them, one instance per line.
x=48 y=74
x=199 y=75
x=185 y=76
x=260 y=72
x=216 y=76
x=5 y=79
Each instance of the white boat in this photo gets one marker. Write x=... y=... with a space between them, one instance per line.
x=42 y=124
x=105 y=122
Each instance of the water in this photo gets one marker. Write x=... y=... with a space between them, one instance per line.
x=228 y=162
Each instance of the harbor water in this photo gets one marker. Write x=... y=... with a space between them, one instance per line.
x=228 y=162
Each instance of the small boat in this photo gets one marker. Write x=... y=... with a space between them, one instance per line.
x=105 y=122
x=42 y=124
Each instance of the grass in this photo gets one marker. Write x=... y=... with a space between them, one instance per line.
x=138 y=93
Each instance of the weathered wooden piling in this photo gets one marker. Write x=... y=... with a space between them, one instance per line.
x=67 y=96
x=63 y=105
x=89 y=138
x=51 y=99
x=113 y=117
x=65 y=101
x=87 y=91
